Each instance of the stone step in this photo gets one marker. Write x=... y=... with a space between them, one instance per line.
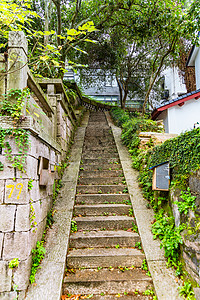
x=101 y=173
x=98 y=239
x=91 y=155
x=102 y=209
x=130 y=296
x=99 y=140
x=102 y=198
x=93 y=147
x=97 y=167
x=101 y=161
x=104 y=257
x=97 y=133
x=100 y=150
x=101 y=189
x=99 y=143
x=99 y=122
x=103 y=127
x=104 y=222
x=101 y=181
x=97 y=153
x=112 y=282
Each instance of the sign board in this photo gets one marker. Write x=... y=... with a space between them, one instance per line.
x=161 y=177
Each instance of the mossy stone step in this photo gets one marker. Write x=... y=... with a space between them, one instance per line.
x=93 y=281
x=101 y=173
x=101 y=189
x=102 y=209
x=92 y=155
x=98 y=239
x=100 y=161
x=101 y=181
x=104 y=257
x=101 y=167
x=104 y=222
x=102 y=198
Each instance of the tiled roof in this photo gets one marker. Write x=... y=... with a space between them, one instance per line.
x=173 y=102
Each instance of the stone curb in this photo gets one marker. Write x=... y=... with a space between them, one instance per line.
x=50 y=277
x=164 y=279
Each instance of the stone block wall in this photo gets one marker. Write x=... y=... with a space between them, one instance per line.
x=18 y=234
x=65 y=127
x=191 y=237
x=50 y=127
x=156 y=138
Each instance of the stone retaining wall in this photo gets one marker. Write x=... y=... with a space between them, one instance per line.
x=191 y=237
x=50 y=122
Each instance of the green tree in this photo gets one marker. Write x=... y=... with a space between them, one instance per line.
x=155 y=27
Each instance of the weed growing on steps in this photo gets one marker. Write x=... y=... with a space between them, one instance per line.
x=127 y=202
x=125 y=191
x=145 y=267
x=149 y=292
x=130 y=212
x=138 y=245
x=134 y=227
x=74 y=226
x=186 y=291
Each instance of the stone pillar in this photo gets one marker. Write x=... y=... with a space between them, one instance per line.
x=17 y=60
x=51 y=93
x=2 y=77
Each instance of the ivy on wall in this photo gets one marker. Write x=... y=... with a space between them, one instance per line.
x=21 y=138
x=12 y=105
x=183 y=153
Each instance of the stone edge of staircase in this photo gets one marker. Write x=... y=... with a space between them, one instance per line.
x=164 y=279
x=50 y=277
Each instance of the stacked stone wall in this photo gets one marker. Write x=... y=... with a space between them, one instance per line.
x=26 y=197
x=191 y=236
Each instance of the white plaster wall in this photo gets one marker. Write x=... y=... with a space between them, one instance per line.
x=197 y=69
x=174 y=82
x=181 y=119
x=164 y=116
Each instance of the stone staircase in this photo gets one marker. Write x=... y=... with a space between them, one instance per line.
x=102 y=261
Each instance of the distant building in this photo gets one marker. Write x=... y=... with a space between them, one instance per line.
x=194 y=61
x=105 y=90
x=174 y=85
x=183 y=112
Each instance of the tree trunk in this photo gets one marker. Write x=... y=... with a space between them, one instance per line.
x=59 y=23
x=46 y=25
x=120 y=92
x=124 y=99
x=151 y=83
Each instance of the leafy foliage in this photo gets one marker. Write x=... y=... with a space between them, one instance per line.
x=22 y=142
x=187 y=203
x=170 y=236
x=14 y=263
x=13 y=103
x=182 y=153
x=37 y=256
x=73 y=226
x=186 y=291
x=13 y=16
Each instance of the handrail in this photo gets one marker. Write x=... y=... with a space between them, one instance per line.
x=35 y=87
x=87 y=102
